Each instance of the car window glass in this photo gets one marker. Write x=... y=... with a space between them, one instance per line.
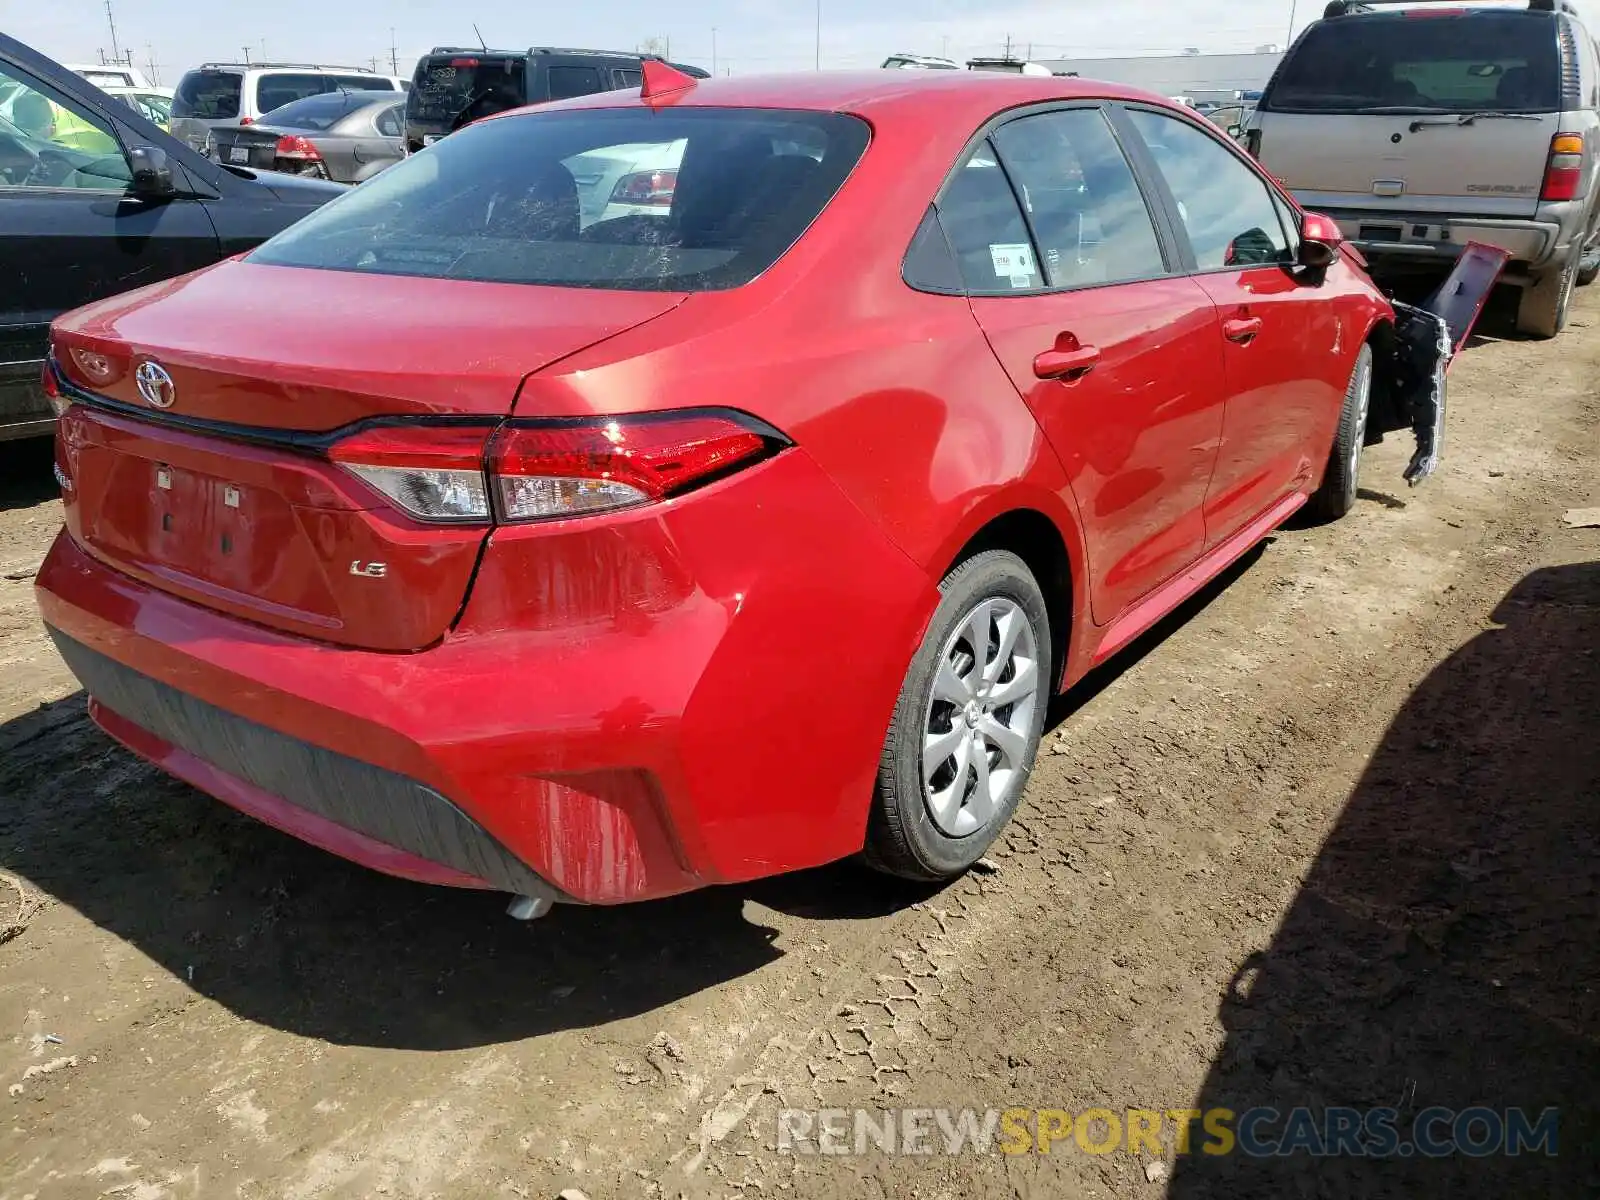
x=1488 y=59
x=208 y=95
x=627 y=79
x=1090 y=218
x=690 y=199
x=573 y=81
x=389 y=123
x=362 y=83
x=929 y=266
x=50 y=141
x=318 y=113
x=986 y=230
x=274 y=91
x=1224 y=205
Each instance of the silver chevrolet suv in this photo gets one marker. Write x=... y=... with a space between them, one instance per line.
x=1422 y=128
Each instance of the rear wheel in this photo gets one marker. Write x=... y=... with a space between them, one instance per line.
x=1542 y=311
x=1337 y=495
x=967 y=725
x=1589 y=263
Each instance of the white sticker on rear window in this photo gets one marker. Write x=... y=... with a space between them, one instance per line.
x=1013 y=262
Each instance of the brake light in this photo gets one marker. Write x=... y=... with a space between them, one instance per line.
x=1563 y=172
x=463 y=62
x=247 y=120
x=552 y=469
x=294 y=146
x=1415 y=13
x=646 y=187
x=568 y=469
x=431 y=472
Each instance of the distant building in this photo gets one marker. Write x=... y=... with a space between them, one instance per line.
x=1202 y=76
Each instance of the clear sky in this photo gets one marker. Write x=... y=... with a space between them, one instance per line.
x=752 y=35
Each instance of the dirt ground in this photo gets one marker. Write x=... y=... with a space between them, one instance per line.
x=1328 y=837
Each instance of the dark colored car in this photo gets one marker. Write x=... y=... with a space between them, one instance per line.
x=597 y=557
x=454 y=86
x=343 y=136
x=94 y=200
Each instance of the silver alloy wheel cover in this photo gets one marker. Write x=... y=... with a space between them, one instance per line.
x=978 y=719
x=1363 y=383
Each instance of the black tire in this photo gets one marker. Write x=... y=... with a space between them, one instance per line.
x=1542 y=311
x=903 y=836
x=1589 y=264
x=1337 y=495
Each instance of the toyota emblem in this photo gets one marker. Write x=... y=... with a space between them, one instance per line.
x=155 y=385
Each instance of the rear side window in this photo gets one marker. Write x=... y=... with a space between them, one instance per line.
x=1421 y=62
x=274 y=91
x=678 y=200
x=208 y=95
x=1225 y=206
x=624 y=78
x=987 y=233
x=389 y=122
x=566 y=82
x=1086 y=208
x=361 y=83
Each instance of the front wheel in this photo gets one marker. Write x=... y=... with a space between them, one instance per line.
x=1337 y=495
x=966 y=728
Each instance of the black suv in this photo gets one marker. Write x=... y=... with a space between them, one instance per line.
x=455 y=85
x=95 y=200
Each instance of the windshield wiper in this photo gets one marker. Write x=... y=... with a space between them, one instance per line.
x=1469 y=118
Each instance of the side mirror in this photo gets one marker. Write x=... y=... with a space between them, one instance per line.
x=1320 y=239
x=152 y=173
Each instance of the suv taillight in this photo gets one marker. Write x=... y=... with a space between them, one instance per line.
x=1563 y=171
x=547 y=470
x=293 y=146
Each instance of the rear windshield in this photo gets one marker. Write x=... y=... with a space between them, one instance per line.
x=208 y=95
x=317 y=113
x=276 y=90
x=685 y=200
x=451 y=91
x=1485 y=61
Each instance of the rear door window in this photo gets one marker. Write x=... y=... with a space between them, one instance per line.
x=1224 y=206
x=677 y=200
x=1418 y=61
x=622 y=79
x=566 y=82
x=1087 y=211
x=208 y=95
x=986 y=228
x=389 y=123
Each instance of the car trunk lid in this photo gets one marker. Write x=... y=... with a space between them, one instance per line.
x=226 y=492
x=252 y=146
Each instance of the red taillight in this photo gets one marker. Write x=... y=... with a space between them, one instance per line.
x=1563 y=172
x=566 y=469
x=463 y=62
x=553 y=469
x=88 y=366
x=1415 y=13
x=247 y=120
x=646 y=187
x=294 y=146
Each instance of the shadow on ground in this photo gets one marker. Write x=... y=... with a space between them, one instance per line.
x=1445 y=950
x=294 y=938
x=25 y=476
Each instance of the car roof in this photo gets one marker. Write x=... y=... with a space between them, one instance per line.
x=967 y=96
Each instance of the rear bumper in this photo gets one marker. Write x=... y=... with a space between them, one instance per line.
x=1435 y=238
x=627 y=707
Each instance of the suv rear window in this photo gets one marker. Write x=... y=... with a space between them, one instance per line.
x=1423 y=62
x=208 y=95
x=452 y=89
x=689 y=200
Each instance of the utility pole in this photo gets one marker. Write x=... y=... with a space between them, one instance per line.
x=394 y=54
x=155 y=75
x=111 y=20
x=1008 y=47
x=246 y=50
x=372 y=61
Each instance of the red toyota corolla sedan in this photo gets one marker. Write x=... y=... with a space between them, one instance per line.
x=535 y=520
